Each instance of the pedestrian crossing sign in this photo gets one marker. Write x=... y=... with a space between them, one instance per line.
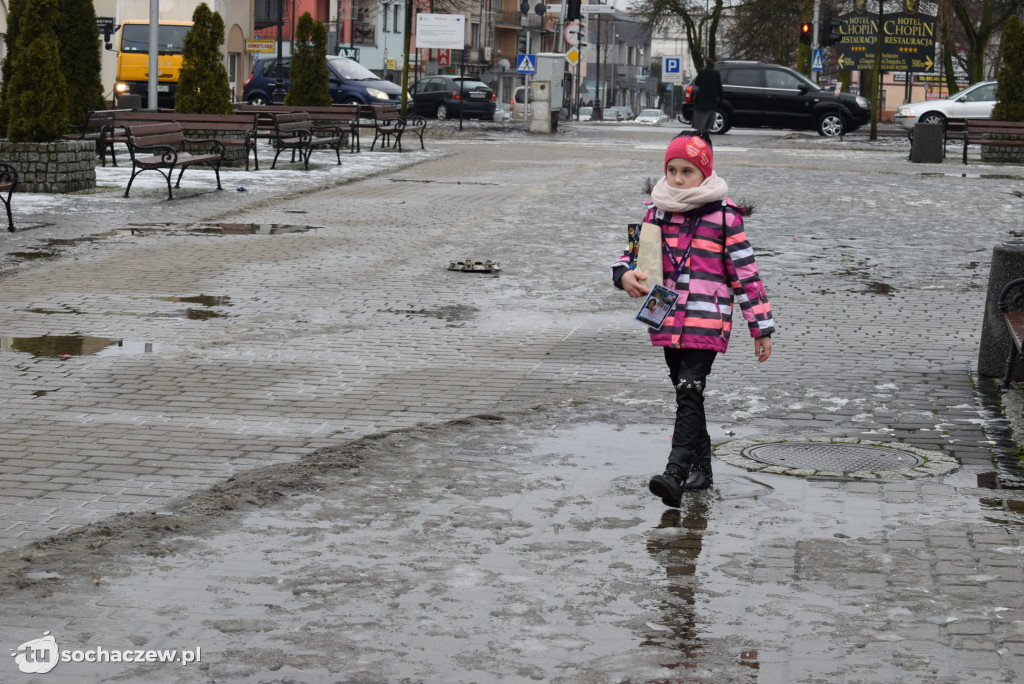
x=816 y=60
x=527 y=64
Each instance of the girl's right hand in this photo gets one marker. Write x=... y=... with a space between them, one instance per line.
x=632 y=283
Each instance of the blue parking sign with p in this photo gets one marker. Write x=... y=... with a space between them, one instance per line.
x=673 y=65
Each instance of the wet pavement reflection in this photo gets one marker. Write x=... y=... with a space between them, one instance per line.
x=528 y=549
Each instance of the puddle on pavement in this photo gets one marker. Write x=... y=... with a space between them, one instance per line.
x=63 y=346
x=216 y=228
x=202 y=314
x=205 y=300
x=36 y=254
x=421 y=180
x=875 y=287
x=982 y=176
x=52 y=248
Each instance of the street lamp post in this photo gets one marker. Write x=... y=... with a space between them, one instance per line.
x=279 y=92
x=598 y=112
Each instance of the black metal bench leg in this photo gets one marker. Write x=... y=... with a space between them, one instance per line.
x=1011 y=361
x=170 y=172
x=135 y=172
x=10 y=219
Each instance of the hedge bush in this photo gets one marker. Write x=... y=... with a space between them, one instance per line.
x=203 y=87
x=1010 y=91
x=309 y=73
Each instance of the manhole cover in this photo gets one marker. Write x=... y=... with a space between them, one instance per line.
x=840 y=457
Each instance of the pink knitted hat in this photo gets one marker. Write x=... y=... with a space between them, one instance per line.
x=694 y=150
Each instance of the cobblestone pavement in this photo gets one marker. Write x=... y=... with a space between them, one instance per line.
x=367 y=467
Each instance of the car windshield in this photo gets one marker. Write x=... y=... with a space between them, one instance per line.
x=651 y=112
x=135 y=38
x=586 y=110
x=351 y=70
x=469 y=84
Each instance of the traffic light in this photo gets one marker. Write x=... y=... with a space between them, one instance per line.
x=834 y=34
x=805 y=33
x=521 y=47
x=572 y=11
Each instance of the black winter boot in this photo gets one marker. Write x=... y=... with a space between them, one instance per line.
x=699 y=477
x=669 y=486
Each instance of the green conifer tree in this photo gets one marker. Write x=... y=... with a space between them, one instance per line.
x=1010 y=91
x=309 y=72
x=14 y=10
x=80 y=57
x=37 y=94
x=203 y=87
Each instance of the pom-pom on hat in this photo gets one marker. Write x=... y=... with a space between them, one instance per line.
x=693 y=149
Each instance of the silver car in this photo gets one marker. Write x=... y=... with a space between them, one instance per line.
x=654 y=117
x=975 y=102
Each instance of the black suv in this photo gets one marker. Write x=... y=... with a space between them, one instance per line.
x=757 y=94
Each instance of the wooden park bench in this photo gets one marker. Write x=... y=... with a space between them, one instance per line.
x=1014 y=321
x=8 y=183
x=345 y=117
x=95 y=127
x=389 y=125
x=979 y=132
x=295 y=131
x=237 y=130
x=163 y=147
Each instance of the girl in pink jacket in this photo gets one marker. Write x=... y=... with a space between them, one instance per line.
x=708 y=261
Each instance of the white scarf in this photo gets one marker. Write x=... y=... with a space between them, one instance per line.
x=678 y=200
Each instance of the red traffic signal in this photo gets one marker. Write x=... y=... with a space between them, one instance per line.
x=805 y=33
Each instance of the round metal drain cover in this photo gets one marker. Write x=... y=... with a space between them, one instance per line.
x=835 y=457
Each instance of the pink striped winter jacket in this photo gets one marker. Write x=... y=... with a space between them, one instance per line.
x=719 y=269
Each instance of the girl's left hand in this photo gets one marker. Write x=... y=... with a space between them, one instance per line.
x=762 y=348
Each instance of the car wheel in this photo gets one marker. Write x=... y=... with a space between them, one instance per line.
x=442 y=111
x=831 y=125
x=933 y=118
x=259 y=101
x=720 y=123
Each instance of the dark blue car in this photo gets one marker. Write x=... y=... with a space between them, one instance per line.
x=349 y=81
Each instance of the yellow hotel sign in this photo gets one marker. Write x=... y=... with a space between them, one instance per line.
x=260 y=45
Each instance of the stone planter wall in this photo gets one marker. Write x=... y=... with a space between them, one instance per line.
x=992 y=154
x=62 y=166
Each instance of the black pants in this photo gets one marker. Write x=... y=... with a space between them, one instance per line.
x=688 y=370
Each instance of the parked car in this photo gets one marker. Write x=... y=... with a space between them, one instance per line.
x=517 y=105
x=618 y=113
x=446 y=96
x=757 y=94
x=975 y=102
x=654 y=117
x=349 y=82
x=586 y=113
